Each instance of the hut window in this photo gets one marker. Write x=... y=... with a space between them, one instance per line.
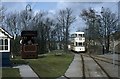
x=6 y=44
x=3 y=44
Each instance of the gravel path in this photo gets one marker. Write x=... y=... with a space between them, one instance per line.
x=26 y=72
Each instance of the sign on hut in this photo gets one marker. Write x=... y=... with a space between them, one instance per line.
x=28 y=44
x=5 y=47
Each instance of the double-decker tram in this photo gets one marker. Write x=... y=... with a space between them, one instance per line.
x=77 y=42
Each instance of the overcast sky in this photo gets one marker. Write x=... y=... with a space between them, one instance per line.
x=54 y=7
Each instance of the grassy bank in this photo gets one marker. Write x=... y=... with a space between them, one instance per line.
x=51 y=65
x=10 y=73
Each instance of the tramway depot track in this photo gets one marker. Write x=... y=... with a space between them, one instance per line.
x=107 y=60
x=83 y=67
x=107 y=68
x=94 y=68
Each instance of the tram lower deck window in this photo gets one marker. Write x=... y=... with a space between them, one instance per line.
x=79 y=44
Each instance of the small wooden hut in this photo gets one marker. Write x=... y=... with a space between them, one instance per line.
x=5 y=47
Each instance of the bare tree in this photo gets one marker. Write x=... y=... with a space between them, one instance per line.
x=39 y=25
x=65 y=19
x=109 y=22
x=12 y=23
x=2 y=14
x=59 y=36
x=48 y=25
x=100 y=27
x=26 y=18
x=89 y=17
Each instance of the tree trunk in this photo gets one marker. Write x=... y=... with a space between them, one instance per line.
x=108 y=42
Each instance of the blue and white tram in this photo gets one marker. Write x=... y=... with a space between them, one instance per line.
x=77 y=42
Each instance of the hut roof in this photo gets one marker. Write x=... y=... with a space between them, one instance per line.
x=5 y=32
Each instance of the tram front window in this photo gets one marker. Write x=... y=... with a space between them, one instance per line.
x=80 y=35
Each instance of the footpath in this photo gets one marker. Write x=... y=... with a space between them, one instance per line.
x=74 y=70
x=26 y=72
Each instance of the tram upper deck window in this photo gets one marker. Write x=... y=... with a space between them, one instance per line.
x=74 y=35
x=80 y=35
x=83 y=35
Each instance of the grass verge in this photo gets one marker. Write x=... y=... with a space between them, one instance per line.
x=51 y=66
x=18 y=62
x=10 y=73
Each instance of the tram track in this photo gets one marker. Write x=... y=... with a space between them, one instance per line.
x=66 y=77
x=101 y=68
x=109 y=77
x=107 y=60
x=83 y=67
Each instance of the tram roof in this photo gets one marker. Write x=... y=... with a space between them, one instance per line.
x=29 y=33
x=78 y=33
